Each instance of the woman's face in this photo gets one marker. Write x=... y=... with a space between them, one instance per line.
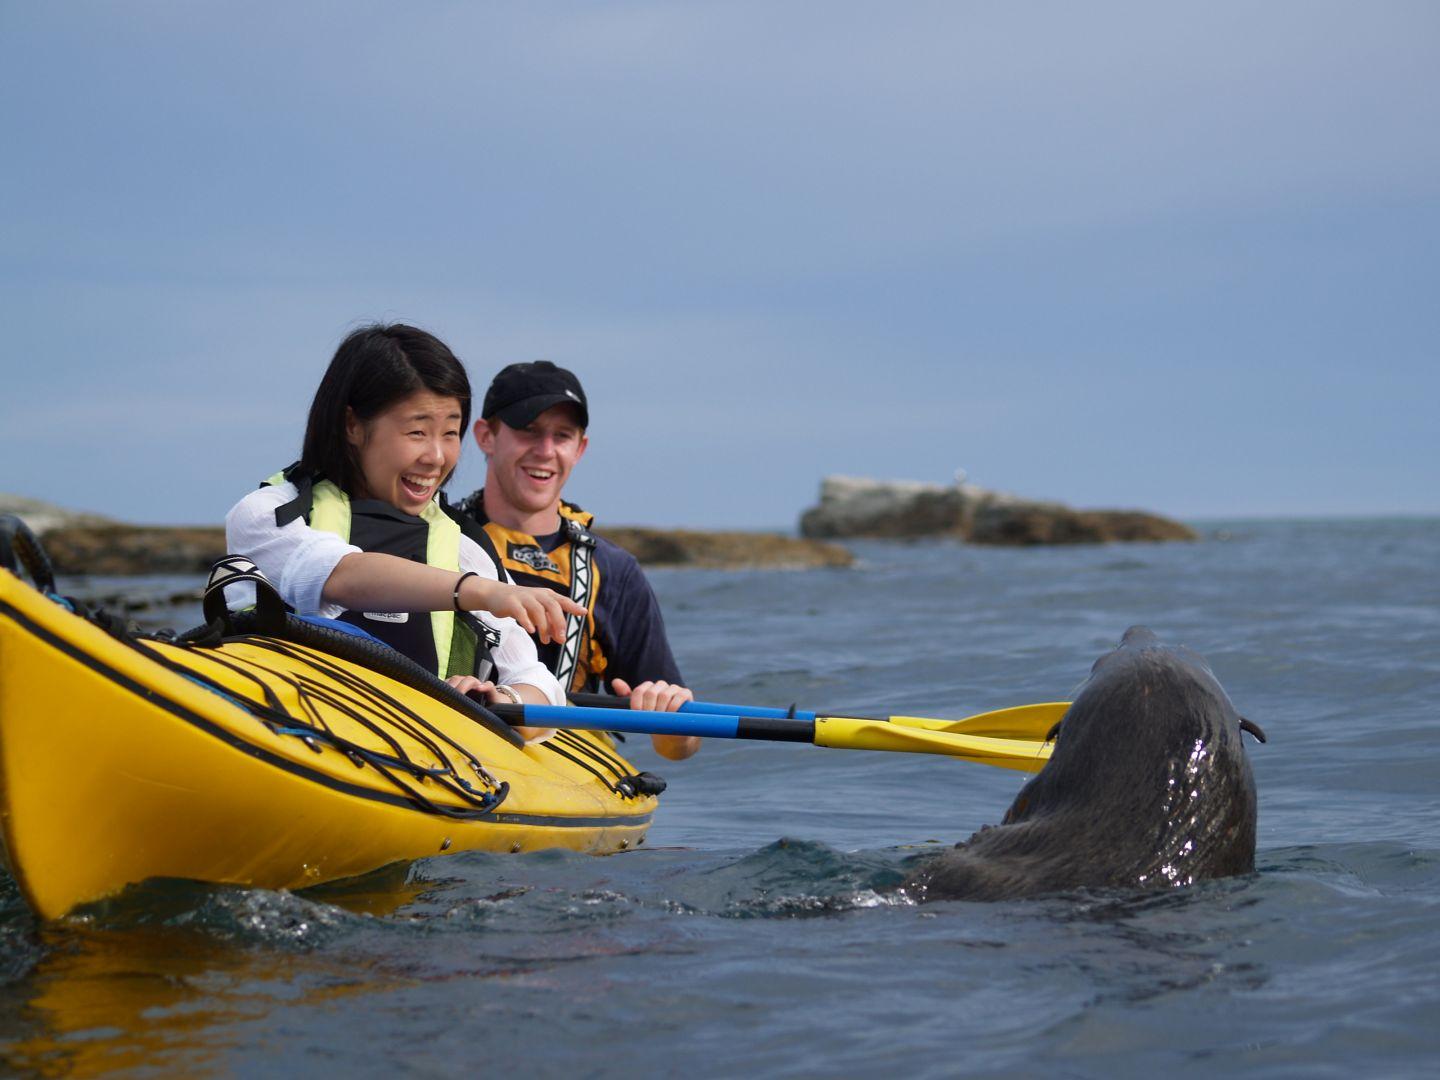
x=406 y=452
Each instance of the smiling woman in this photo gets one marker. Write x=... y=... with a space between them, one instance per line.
x=358 y=530
x=407 y=451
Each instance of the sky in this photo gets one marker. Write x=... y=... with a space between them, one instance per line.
x=1183 y=258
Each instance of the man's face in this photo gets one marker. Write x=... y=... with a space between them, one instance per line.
x=529 y=466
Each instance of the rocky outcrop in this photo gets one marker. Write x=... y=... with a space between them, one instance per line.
x=858 y=507
x=727 y=550
x=853 y=506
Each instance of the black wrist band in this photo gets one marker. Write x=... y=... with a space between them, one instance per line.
x=455 y=598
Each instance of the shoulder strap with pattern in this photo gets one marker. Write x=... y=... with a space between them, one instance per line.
x=582 y=561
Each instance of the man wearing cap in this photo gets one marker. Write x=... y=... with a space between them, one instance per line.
x=532 y=431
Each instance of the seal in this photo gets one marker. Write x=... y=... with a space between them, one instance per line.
x=1148 y=786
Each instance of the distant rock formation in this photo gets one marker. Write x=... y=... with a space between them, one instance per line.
x=852 y=506
x=858 y=507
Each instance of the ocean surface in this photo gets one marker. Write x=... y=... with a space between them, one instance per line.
x=757 y=932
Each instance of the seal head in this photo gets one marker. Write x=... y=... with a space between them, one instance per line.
x=1148 y=786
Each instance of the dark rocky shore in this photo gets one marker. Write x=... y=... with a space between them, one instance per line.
x=852 y=507
x=726 y=550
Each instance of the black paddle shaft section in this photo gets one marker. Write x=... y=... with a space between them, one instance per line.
x=600 y=701
x=759 y=727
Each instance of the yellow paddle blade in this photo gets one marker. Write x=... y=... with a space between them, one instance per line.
x=842 y=733
x=1031 y=722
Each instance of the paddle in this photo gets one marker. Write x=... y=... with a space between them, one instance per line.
x=837 y=732
x=1030 y=722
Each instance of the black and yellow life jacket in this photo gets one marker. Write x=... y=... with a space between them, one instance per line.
x=570 y=569
x=433 y=538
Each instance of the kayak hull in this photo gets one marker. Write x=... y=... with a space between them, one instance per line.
x=117 y=765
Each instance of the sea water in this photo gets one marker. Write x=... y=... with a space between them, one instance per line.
x=757 y=930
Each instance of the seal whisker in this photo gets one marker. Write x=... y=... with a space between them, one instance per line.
x=1253 y=728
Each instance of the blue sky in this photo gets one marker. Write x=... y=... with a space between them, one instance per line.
x=1182 y=258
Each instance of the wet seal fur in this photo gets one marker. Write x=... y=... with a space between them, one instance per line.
x=1148 y=786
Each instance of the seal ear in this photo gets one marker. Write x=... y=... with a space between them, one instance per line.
x=1054 y=732
x=1253 y=728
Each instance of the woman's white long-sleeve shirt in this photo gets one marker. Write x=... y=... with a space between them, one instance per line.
x=298 y=560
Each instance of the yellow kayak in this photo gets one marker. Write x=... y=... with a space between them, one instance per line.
x=266 y=761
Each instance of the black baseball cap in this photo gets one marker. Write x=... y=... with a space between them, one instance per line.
x=521 y=392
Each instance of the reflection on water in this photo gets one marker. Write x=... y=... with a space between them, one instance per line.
x=164 y=975
x=109 y=999
x=380 y=893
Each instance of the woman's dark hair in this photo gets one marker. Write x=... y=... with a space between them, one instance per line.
x=373 y=368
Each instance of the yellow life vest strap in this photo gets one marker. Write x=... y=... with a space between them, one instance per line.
x=330 y=510
x=442 y=549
